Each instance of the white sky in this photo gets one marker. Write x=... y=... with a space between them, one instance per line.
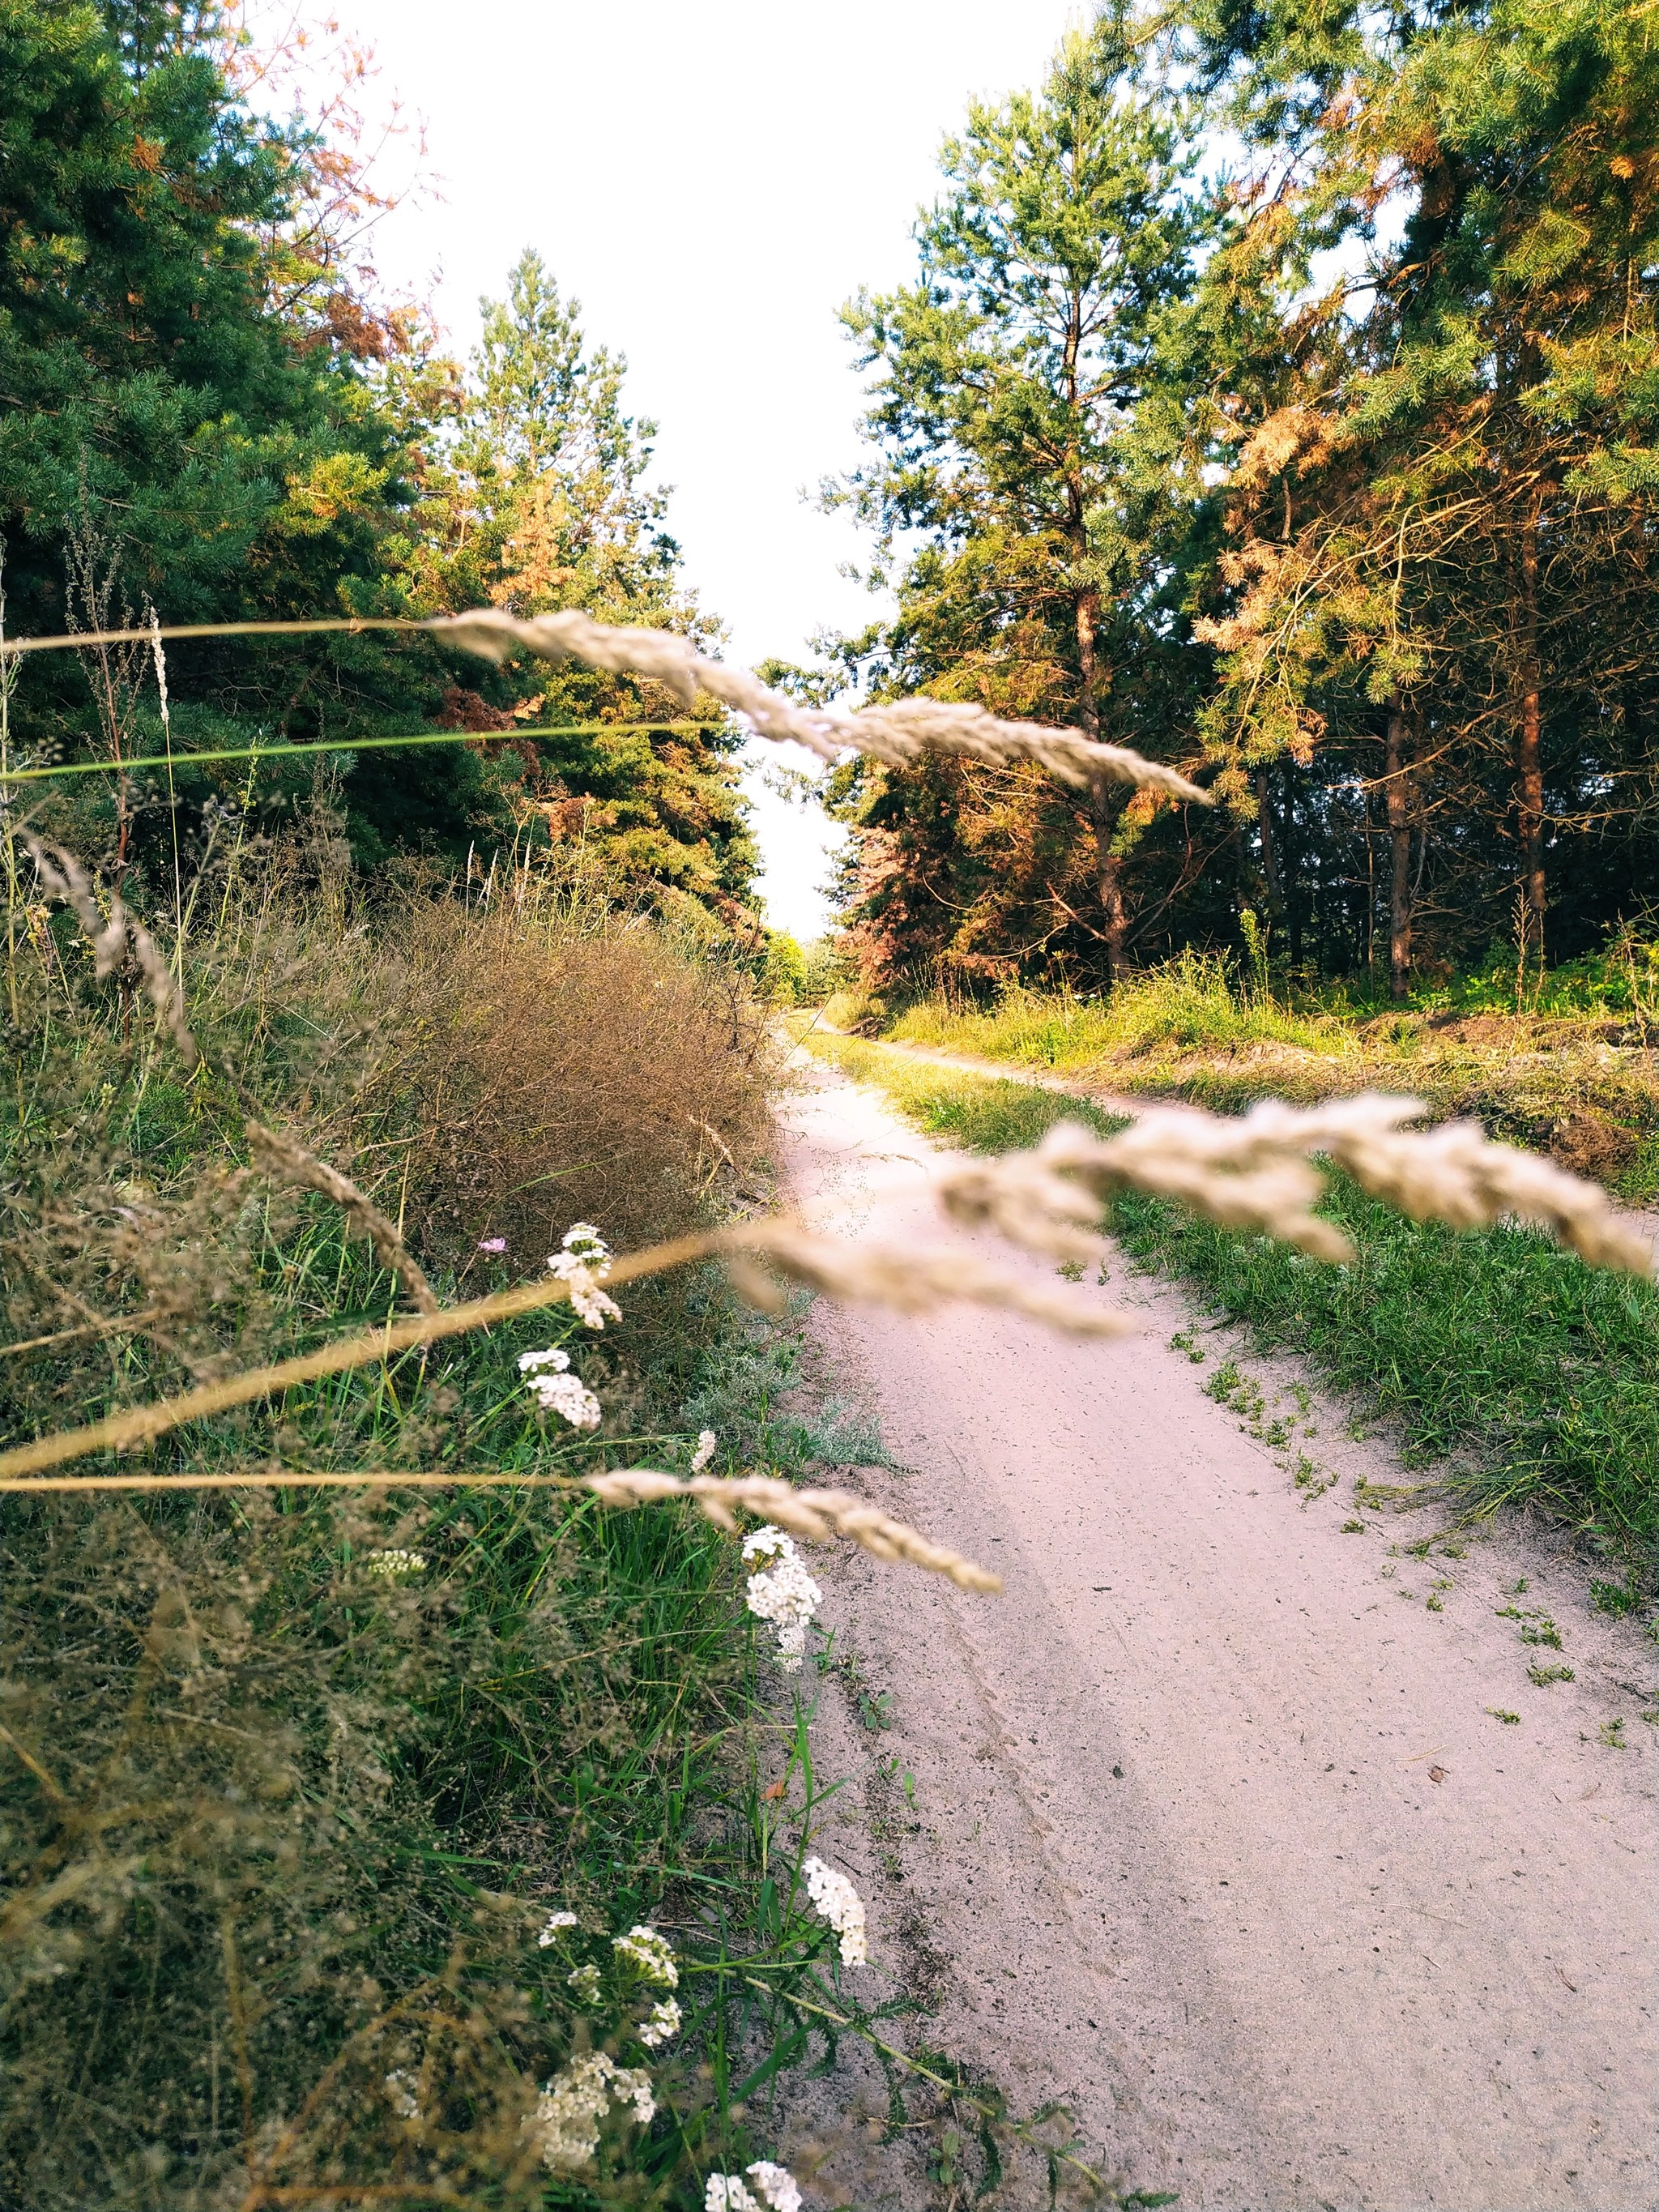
x=711 y=182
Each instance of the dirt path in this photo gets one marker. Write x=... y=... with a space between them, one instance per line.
x=1216 y=1832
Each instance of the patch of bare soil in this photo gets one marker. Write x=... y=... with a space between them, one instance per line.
x=1296 y=1864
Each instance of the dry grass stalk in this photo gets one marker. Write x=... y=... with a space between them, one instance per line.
x=61 y=877
x=142 y=1424
x=896 y=733
x=814 y=1514
x=908 y=1282
x=280 y=1156
x=1253 y=1171
x=818 y=1515
x=913 y=1282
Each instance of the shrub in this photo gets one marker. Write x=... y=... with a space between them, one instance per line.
x=289 y=1781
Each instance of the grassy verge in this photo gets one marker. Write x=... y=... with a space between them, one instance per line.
x=291 y=1782
x=1580 y=1082
x=1522 y=1375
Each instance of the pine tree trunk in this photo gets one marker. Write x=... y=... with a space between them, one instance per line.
x=1104 y=804
x=1088 y=706
x=1529 y=738
x=1399 y=843
x=1264 y=815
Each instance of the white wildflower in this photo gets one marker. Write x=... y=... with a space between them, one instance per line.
x=728 y=2192
x=397 y=1562
x=557 y=1922
x=564 y=1395
x=590 y=1247
x=571 y=2107
x=840 y=1903
x=783 y=1592
x=585 y=1980
x=531 y=1363
x=778 y=2187
x=654 y=1955
x=706 y=1441
x=725 y=2192
x=590 y=1302
x=662 y=2022
x=400 y=2088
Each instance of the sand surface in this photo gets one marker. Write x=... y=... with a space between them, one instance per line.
x=1211 y=1827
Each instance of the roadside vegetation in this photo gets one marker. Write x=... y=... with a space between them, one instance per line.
x=1566 y=1063
x=295 y=1777
x=1518 y=1377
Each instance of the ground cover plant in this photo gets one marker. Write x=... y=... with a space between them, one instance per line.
x=1518 y=1375
x=347 y=1802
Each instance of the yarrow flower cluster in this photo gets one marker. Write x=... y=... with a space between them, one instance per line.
x=840 y=1903
x=778 y=2190
x=572 y=2107
x=397 y=1562
x=585 y=1980
x=590 y=1302
x=400 y=2088
x=556 y=1924
x=652 y=1953
x=662 y=2022
x=782 y=1593
x=492 y=1244
x=706 y=1441
x=557 y=1391
x=583 y=1265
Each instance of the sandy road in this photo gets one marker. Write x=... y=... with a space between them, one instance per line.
x=1216 y=1832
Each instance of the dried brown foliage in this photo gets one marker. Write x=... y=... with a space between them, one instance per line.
x=550 y=1066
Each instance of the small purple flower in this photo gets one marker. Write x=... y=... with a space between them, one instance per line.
x=493 y=1244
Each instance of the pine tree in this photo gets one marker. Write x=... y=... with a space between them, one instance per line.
x=1022 y=429
x=1470 y=555
x=535 y=498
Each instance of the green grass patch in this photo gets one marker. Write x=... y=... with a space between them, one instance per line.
x=1516 y=1373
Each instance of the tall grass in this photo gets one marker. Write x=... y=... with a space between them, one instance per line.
x=289 y=1783
x=1193 y=1002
